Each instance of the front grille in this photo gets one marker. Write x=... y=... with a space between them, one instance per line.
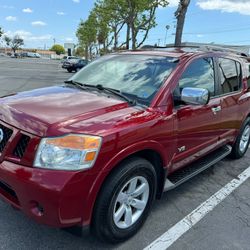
x=6 y=134
x=21 y=146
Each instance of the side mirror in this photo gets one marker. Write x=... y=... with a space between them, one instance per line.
x=196 y=96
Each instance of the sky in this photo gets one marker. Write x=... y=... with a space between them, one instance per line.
x=41 y=23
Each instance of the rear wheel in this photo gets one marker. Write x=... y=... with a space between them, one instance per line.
x=125 y=201
x=69 y=70
x=242 y=142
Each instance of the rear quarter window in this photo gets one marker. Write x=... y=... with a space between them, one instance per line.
x=230 y=75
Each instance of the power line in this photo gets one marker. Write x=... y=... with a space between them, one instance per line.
x=216 y=32
x=242 y=41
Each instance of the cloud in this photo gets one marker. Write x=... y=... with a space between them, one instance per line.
x=60 y=13
x=7 y=6
x=28 y=36
x=11 y=18
x=76 y=1
x=69 y=39
x=239 y=6
x=40 y=38
x=38 y=23
x=27 y=10
x=173 y=3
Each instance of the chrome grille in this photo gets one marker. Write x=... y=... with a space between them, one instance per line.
x=21 y=146
x=7 y=133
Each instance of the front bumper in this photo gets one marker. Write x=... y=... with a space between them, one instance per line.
x=55 y=198
x=67 y=66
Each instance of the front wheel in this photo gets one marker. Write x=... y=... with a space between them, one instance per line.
x=125 y=201
x=242 y=142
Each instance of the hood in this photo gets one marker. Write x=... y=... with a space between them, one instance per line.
x=49 y=111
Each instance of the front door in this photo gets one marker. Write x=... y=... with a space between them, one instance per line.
x=197 y=127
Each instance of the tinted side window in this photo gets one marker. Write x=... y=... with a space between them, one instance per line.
x=248 y=76
x=230 y=72
x=199 y=74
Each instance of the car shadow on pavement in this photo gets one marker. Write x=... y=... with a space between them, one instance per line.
x=19 y=232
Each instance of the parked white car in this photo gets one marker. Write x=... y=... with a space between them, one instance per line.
x=69 y=58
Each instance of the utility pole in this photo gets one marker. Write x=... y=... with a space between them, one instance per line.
x=159 y=41
x=167 y=28
x=54 y=40
x=180 y=14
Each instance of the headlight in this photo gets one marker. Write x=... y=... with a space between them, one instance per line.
x=70 y=152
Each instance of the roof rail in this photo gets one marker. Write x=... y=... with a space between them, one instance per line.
x=223 y=49
x=201 y=47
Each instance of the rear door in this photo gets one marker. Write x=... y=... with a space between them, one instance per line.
x=197 y=126
x=230 y=82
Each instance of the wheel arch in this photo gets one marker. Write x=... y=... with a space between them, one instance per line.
x=151 y=151
x=152 y=155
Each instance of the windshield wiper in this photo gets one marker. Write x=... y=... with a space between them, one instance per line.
x=75 y=83
x=100 y=87
x=115 y=92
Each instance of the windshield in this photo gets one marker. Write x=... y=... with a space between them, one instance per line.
x=137 y=76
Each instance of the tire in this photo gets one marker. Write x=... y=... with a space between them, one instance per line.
x=242 y=141
x=69 y=70
x=137 y=171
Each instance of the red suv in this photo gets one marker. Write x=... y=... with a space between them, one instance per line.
x=99 y=149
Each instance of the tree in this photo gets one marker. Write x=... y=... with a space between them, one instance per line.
x=14 y=43
x=87 y=34
x=138 y=15
x=110 y=20
x=80 y=51
x=180 y=15
x=140 y=18
x=1 y=32
x=59 y=49
x=7 y=40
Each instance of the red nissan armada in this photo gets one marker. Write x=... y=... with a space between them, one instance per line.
x=99 y=149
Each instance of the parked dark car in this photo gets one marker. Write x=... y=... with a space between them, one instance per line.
x=15 y=55
x=99 y=149
x=74 y=65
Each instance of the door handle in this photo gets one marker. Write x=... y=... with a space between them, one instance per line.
x=216 y=109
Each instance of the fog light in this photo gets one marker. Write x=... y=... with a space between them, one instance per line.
x=36 y=208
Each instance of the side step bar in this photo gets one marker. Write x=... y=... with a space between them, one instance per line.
x=186 y=173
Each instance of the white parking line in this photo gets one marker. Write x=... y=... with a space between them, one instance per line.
x=175 y=232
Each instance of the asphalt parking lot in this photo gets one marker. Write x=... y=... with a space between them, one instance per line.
x=227 y=226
